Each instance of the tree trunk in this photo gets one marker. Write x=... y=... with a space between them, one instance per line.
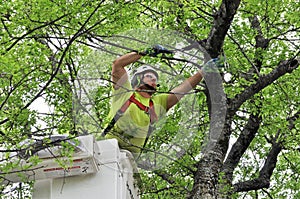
x=214 y=151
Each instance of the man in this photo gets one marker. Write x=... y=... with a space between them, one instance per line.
x=134 y=107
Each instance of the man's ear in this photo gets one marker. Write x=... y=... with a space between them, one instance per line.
x=140 y=79
x=136 y=81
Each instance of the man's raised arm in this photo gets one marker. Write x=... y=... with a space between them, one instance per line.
x=119 y=75
x=177 y=93
x=185 y=87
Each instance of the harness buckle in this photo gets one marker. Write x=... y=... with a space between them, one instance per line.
x=147 y=110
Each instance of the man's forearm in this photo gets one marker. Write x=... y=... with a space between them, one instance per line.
x=186 y=86
x=189 y=83
x=126 y=59
x=119 y=75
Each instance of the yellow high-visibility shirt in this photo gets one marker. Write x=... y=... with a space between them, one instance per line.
x=132 y=128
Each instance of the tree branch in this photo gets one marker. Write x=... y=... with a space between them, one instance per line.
x=222 y=22
x=263 y=181
x=241 y=145
x=284 y=67
x=34 y=29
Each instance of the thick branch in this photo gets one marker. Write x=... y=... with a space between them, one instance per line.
x=222 y=22
x=263 y=181
x=241 y=145
x=284 y=67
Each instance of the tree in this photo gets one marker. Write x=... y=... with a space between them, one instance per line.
x=244 y=135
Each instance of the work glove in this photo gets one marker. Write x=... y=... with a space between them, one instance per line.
x=155 y=50
x=213 y=65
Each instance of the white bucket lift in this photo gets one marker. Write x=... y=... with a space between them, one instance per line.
x=100 y=170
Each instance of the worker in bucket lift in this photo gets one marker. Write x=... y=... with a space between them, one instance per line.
x=134 y=106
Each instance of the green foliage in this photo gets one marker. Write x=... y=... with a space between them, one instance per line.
x=55 y=65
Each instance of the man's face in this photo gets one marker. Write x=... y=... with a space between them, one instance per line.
x=150 y=79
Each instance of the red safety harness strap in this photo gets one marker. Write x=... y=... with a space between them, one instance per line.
x=148 y=110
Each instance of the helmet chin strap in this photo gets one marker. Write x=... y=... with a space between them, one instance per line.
x=147 y=86
x=148 y=89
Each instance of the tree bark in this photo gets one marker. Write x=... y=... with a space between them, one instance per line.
x=208 y=168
